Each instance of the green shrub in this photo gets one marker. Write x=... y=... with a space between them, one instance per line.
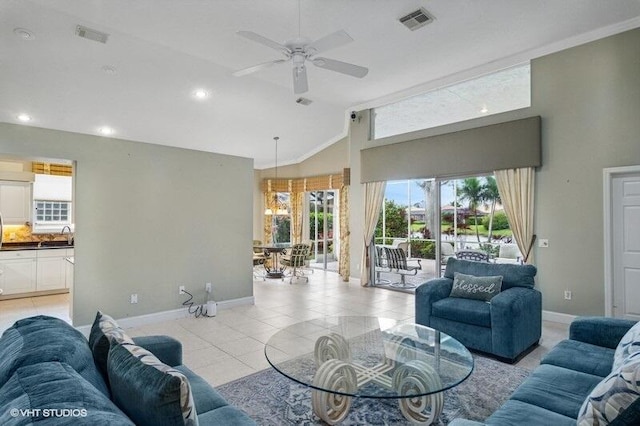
x=423 y=249
x=500 y=221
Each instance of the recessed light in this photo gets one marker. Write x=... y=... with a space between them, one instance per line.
x=484 y=110
x=108 y=69
x=24 y=33
x=25 y=118
x=200 y=94
x=106 y=131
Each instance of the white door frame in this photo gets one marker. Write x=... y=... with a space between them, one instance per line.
x=608 y=175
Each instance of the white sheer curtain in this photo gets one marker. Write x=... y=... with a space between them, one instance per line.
x=516 y=187
x=373 y=197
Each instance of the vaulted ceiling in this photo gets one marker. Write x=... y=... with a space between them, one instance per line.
x=142 y=80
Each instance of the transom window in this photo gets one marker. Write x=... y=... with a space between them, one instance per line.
x=502 y=91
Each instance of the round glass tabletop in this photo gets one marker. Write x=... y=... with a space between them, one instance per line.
x=369 y=357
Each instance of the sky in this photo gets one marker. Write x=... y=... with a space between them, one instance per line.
x=398 y=192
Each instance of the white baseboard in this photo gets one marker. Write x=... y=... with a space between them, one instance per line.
x=557 y=317
x=156 y=317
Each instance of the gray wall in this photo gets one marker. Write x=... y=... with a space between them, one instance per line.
x=149 y=218
x=589 y=100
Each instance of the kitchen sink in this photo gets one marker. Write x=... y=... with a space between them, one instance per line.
x=55 y=244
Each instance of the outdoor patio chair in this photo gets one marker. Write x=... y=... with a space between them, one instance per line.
x=477 y=256
x=509 y=253
x=396 y=262
x=446 y=251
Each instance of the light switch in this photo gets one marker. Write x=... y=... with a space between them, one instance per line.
x=543 y=242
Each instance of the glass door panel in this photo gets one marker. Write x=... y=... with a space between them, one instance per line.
x=324 y=228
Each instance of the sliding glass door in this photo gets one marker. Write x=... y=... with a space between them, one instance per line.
x=322 y=228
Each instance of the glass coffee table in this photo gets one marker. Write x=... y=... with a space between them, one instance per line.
x=367 y=357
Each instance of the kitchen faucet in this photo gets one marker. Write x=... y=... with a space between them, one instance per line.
x=69 y=236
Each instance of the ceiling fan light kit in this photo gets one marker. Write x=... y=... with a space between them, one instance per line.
x=300 y=51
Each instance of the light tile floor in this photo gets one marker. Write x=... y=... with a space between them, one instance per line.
x=231 y=345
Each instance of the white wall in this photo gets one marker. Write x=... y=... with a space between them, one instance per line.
x=149 y=218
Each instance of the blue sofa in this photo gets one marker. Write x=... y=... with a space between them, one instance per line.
x=506 y=327
x=48 y=376
x=557 y=389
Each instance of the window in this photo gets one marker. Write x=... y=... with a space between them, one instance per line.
x=502 y=91
x=473 y=218
x=281 y=223
x=466 y=212
x=52 y=212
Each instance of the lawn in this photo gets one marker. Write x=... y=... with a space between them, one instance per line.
x=417 y=226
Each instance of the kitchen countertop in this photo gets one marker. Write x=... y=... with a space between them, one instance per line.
x=46 y=245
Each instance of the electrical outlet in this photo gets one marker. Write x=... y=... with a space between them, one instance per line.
x=181 y=289
x=544 y=243
x=207 y=287
x=567 y=295
x=134 y=298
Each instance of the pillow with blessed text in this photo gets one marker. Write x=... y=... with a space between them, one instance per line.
x=472 y=287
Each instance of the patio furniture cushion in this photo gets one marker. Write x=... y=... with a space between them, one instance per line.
x=629 y=345
x=472 y=287
x=512 y=275
x=617 y=395
x=148 y=391
x=467 y=311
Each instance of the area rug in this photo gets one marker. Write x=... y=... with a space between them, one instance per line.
x=274 y=400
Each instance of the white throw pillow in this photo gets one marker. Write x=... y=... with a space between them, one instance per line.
x=613 y=395
x=629 y=345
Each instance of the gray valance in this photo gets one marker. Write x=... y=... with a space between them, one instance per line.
x=508 y=145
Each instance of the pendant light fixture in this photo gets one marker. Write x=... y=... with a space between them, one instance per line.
x=277 y=208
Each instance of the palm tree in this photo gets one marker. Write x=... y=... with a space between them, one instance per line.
x=428 y=186
x=472 y=191
x=491 y=196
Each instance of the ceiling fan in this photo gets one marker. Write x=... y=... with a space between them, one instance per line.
x=300 y=50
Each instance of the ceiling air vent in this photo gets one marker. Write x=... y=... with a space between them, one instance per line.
x=94 y=35
x=417 y=19
x=303 y=101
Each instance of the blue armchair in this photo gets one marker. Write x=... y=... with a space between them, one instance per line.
x=506 y=326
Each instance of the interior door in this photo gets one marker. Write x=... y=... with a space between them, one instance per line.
x=626 y=246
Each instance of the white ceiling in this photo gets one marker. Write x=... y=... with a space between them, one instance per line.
x=164 y=49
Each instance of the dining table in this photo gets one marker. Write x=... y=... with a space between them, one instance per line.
x=273 y=252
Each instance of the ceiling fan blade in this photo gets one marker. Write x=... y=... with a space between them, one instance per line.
x=258 y=67
x=263 y=40
x=341 y=67
x=300 y=83
x=331 y=41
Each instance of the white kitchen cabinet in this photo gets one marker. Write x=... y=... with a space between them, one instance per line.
x=51 y=269
x=15 y=202
x=18 y=272
x=69 y=269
